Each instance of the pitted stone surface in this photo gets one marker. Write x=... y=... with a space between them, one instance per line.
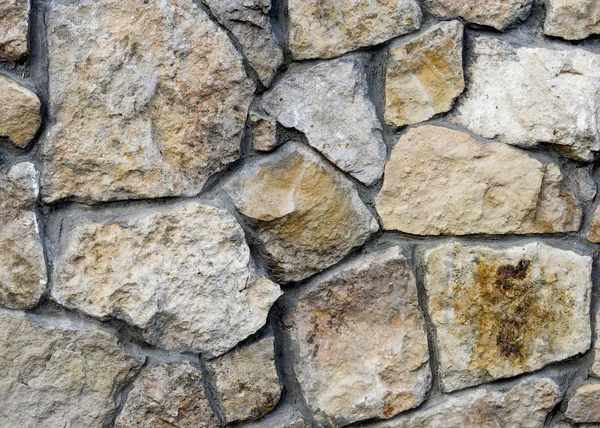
x=14 y=25
x=584 y=406
x=19 y=112
x=572 y=19
x=593 y=234
x=264 y=132
x=595 y=371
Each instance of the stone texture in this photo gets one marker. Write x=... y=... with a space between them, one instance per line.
x=526 y=96
x=22 y=266
x=14 y=24
x=246 y=381
x=19 y=111
x=329 y=103
x=498 y=14
x=168 y=395
x=184 y=276
x=304 y=213
x=139 y=114
x=572 y=19
x=593 y=234
x=249 y=22
x=361 y=343
x=595 y=371
x=499 y=313
x=584 y=406
x=444 y=182
x=264 y=132
x=425 y=75
x=54 y=376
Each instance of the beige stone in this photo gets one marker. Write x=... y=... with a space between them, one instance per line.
x=304 y=213
x=264 y=132
x=360 y=341
x=584 y=406
x=500 y=313
x=14 y=24
x=444 y=182
x=19 y=111
x=139 y=114
x=593 y=234
x=425 y=75
x=595 y=371
x=572 y=19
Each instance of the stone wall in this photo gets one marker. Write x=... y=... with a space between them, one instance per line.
x=299 y=213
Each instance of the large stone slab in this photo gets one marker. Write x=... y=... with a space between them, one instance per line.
x=360 y=342
x=184 y=276
x=527 y=96
x=572 y=19
x=19 y=112
x=584 y=406
x=500 y=313
x=139 y=114
x=14 y=25
x=305 y=214
x=444 y=182
x=330 y=104
x=55 y=376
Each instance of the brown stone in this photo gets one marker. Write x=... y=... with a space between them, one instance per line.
x=19 y=112
x=593 y=234
x=14 y=25
x=584 y=406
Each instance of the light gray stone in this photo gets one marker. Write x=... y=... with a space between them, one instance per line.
x=14 y=25
x=572 y=19
x=19 y=112
x=584 y=406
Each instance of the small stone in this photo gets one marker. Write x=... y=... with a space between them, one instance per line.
x=593 y=234
x=360 y=341
x=19 y=111
x=595 y=371
x=500 y=313
x=527 y=96
x=425 y=75
x=572 y=19
x=264 y=132
x=183 y=275
x=584 y=406
x=55 y=376
x=14 y=24
x=498 y=14
x=246 y=381
x=168 y=395
x=287 y=418
x=306 y=214
x=444 y=182
x=22 y=267
x=329 y=103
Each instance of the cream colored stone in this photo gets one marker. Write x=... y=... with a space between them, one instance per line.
x=14 y=24
x=19 y=112
x=304 y=213
x=500 y=313
x=572 y=19
x=360 y=341
x=425 y=75
x=444 y=182
x=595 y=371
x=593 y=234
x=184 y=276
x=264 y=132
x=139 y=114
x=584 y=406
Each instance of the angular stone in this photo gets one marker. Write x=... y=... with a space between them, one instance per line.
x=246 y=381
x=139 y=114
x=22 y=267
x=249 y=22
x=264 y=132
x=330 y=28
x=360 y=341
x=593 y=234
x=527 y=96
x=425 y=75
x=19 y=112
x=444 y=182
x=14 y=24
x=55 y=376
x=499 y=313
x=329 y=103
x=304 y=213
x=595 y=371
x=168 y=395
x=288 y=418
x=572 y=19
x=584 y=406
x=182 y=275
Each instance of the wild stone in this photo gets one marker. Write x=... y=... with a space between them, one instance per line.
x=19 y=112
x=572 y=19
x=14 y=26
x=584 y=406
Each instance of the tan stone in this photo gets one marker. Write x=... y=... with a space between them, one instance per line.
x=444 y=182
x=264 y=132
x=14 y=24
x=595 y=371
x=139 y=114
x=584 y=406
x=360 y=343
x=572 y=19
x=500 y=313
x=425 y=75
x=593 y=234
x=19 y=112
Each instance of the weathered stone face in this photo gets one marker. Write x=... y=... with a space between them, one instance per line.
x=305 y=214
x=584 y=405
x=55 y=376
x=19 y=112
x=139 y=114
x=424 y=76
x=14 y=18
x=499 y=313
x=444 y=182
x=527 y=96
x=361 y=344
x=572 y=19
x=183 y=276
x=330 y=28
x=593 y=234
x=168 y=395
x=264 y=132
x=595 y=371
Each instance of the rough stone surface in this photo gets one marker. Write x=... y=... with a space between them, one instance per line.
x=593 y=234
x=572 y=19
x=306 y=214
x=595 y=371
x=526 y=96
x=22 y=267
x=183 y=276
x=584 y=406
x=168 y=395
x=264 y=132
x=14 y=18
x=246 y=381
x=425 y=75
x=444 y=182
x=361 y=343
x=19 y=111
x=329 y=103
x=139 y=114
x=54 y=376
x=499 y=313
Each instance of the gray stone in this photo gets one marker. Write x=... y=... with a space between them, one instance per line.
x=14 y=25
x=572 y=19
x=595 y=371
x=19 y=112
